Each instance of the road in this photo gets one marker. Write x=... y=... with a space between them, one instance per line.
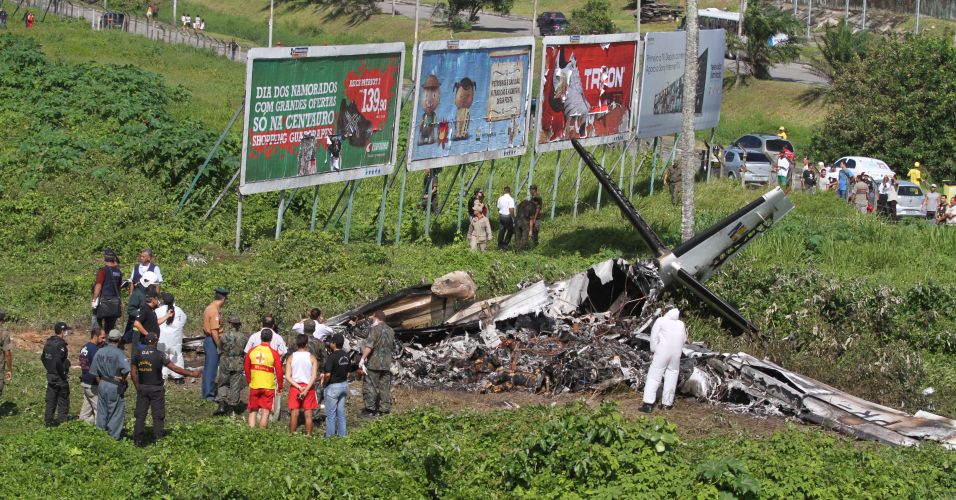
x=517 y=26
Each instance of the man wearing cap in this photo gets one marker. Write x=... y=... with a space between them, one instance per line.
x=914 y=174
x=137 y=302
x=231 y=380
x=55 y=358
x=171 y=334
x=6 y=347
x=212 y=327
x=782 y=132
x=376 y=362
x=111 y=367
x=87 y=380
x=145 y=266
x=930 y=202
x=106 y=303
x=147 y=372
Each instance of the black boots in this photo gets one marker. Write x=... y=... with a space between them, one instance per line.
x=221 y=410
x=647 y=408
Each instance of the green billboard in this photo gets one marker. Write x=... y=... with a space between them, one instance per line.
x=316 y=115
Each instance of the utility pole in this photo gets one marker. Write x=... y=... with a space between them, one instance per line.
x=740 y=37
x=916 y=28
x=809 y=17
x=688 y=101
x=271 y=15
x=864 y=15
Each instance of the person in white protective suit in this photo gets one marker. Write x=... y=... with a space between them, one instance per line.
x=668 y=336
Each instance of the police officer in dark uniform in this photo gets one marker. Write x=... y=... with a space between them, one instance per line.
x=147 y=372
x=56 y=361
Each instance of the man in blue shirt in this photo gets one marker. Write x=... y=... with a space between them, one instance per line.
x=844 y=181
x=110 y=367
x=87 y=380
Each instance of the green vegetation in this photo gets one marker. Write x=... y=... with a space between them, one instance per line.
x=896 y=104
x=762 y=21
x=839 y=47
x=593 y=18
x=533 y=452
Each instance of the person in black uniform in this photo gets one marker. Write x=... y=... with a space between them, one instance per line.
x=147 y=322
x=55 y=358
x=147 y=371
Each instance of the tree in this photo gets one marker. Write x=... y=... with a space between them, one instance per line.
x=356 y=11
x=839 y=47
x=897 y=105
x=593 y=18
x=688 y=155
x=761 y=22
x=460 y=14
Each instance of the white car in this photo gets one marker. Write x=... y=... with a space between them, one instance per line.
x=872 y=167
x=910 y=203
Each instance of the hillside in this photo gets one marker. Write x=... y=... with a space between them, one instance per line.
x=103 y=133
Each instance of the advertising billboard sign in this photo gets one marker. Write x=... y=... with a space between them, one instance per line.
x=471 y=101
x=587 y=90
x=662 y=86
x=316 y=115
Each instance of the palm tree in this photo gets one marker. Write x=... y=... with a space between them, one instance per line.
x=761 y=22
x=839 y=46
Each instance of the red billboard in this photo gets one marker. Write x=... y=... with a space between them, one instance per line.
x=587 y=90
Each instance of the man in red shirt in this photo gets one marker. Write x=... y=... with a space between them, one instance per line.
x=263 y=367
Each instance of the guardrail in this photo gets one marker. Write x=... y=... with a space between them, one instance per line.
x=100 y=19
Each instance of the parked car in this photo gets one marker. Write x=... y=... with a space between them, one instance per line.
x=758 y=165
x=910 y=202
x=551 y=23
x=768 y=144
x=874 y=168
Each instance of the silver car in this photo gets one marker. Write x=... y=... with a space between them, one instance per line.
x=910 y=203
x=758 y=165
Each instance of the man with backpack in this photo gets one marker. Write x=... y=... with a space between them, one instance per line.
x=106 y=303
x=55 y=358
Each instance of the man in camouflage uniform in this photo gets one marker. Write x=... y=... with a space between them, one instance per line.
x=231 y=381
x=377 y=364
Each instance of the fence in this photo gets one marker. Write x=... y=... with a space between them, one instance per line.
x=99 y=19
x=942 y=9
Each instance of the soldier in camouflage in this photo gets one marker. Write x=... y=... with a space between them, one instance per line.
x=231 y=381
x=377 y=364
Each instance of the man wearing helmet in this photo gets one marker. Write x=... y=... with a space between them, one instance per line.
x=782 y=132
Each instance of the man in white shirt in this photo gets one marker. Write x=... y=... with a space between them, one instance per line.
x=951 y=212
x=783 y=170
x=277 y=343
x=506 y=219
x=171 y=336
x=145 y=265
x=322 y=331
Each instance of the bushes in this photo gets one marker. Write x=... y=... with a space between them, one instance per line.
x=531 y=452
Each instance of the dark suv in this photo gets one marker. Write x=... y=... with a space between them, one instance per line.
x=551 y=23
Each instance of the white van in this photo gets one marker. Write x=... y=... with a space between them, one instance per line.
x=874 y=168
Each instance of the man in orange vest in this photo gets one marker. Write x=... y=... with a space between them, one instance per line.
x=263 y=367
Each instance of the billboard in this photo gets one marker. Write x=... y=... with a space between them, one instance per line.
x=471 y=101
x=662 y=86
x=587 y=90
x=316 y=115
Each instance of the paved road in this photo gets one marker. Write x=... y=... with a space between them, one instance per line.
x=517 y=26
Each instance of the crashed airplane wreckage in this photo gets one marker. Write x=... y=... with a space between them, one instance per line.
x=589 y=333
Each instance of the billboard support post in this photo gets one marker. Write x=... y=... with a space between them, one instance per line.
x=451 y=186
x=620 y=173
x=381 y=211
x=534 y=159
x=222 y=194
x=315 y=208
x=348 y=210
x=461 y=199
x=428 y=203
x=554 y=187
x=335 y=207
x=653 y=165
x=238 y=222
x=280 y=214
x=353 y=185
x=491 y=178
x=603 y=158
x=401 y=208
x=577 y=190
x=202 y=168
x=517 y=183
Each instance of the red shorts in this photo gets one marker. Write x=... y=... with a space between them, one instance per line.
x=308 y=403
x=261 y=399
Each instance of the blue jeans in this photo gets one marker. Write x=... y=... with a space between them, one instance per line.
x=210 y=368
x=335 y=395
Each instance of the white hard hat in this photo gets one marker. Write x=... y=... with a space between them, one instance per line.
x=148 y=278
